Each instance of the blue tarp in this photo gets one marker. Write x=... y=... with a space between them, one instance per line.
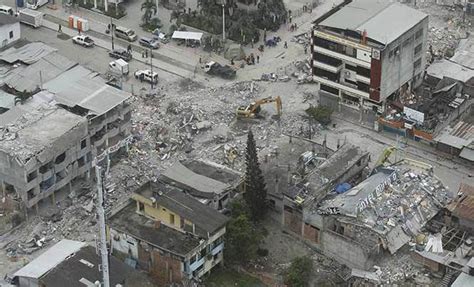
x=343 y=187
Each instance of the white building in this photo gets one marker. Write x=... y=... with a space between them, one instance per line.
x=9 y=29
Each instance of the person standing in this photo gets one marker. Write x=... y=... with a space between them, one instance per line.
x=60 y=30
x=286 y=45
x=258 y=59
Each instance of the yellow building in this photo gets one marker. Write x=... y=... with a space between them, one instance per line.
x=174 y=236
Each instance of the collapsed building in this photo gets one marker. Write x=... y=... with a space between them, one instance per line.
x=168 y=233
x=378 y=216
x=50 y=139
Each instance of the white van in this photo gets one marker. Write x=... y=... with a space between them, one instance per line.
x=125 y=33
x=6 y=10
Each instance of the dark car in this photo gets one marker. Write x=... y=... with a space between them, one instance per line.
x=120 y=54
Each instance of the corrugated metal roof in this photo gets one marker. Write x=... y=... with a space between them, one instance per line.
x=27 y=54
x=467 y=153
x=459 y=136
x=464 y=53
x=81 y=87
x=6 y=100
x=29 y=78
x=446 y=68
x=50 y=259
x=463 y=280
x=384 y=21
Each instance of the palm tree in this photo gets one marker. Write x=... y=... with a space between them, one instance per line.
x=150 y=9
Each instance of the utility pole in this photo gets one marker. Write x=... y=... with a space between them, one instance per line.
x=151 y=68
x=112 y=32
x=101 y=214
x=223 y=20
x=156 y=3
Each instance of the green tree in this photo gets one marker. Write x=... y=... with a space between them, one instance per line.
x=150 y=10
x=321 y=114
x=255 y=189
x=299 y=272
x=242 y=240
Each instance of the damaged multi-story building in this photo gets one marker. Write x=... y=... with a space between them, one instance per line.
x=50 y=138
x=168 y=233
x=364 y=52
x=378 y=216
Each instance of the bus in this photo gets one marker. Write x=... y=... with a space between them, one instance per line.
x=35 y=4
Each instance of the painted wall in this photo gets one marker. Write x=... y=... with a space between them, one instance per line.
x=5 y=34
x=397 y=69
x=124 y=243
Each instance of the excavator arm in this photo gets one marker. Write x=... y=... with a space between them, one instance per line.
x=254 y=108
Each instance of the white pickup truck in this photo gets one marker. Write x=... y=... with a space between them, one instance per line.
x=146 y=75
x=83 y=40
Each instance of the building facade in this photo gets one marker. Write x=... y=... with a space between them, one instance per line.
x=9 y=30
x=365 y=52
x=169 y=234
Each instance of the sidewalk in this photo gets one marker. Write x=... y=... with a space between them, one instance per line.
x=184 y=57
x=173 y=69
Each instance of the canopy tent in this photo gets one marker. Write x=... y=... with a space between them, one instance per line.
x=187 y=35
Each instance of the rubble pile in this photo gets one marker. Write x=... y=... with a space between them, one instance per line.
x=446 y=28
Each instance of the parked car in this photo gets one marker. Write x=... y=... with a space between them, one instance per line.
x=149 y=43
x=83 y=40
x=125 y=33
x=146 y=75
x=161 y=37
x=6 y=10
x=120 y=54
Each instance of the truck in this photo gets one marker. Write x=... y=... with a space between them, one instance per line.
x=35 y=4
x=119 y=66
x=216 y=69
x=31 y=17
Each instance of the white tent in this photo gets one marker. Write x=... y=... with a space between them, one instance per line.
x=187 y=35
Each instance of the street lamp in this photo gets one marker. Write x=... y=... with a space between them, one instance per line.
x=223 y=20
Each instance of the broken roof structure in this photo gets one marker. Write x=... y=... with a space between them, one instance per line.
x=206 y=219
x=394 y=203
x=128 y=221
x=36 y=129
x=7 y=101
x=73 y=263
x=383 y=21
x=27 y=54
x=463 y=206
x=201 y=179
x=30 y=77
x=459 y=137
x=82 y=87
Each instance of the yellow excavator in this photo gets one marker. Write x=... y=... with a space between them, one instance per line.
x=384 y=156
x=252 y=110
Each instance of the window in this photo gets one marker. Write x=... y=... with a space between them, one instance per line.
x=82 y=161
x=329 y=89
x=83 y=143
x=32 y=175
x=396 y=51
x=171 y=218
x=352 y=68
x=30 y=193
x=60 y=158
x=11 y=34
x=362 y=87
x=418 y=49
x=141 y=207
x=419 y=33
x=407 y=41
x=417 y=64
x=363 y=71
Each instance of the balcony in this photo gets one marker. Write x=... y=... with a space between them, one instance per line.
x=196 y=264
x=329 y=68
x=362 y=79
x=217 y=249
x=340 y=86
x=341 y=57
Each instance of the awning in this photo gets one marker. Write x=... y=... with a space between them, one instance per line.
x=187 y=35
